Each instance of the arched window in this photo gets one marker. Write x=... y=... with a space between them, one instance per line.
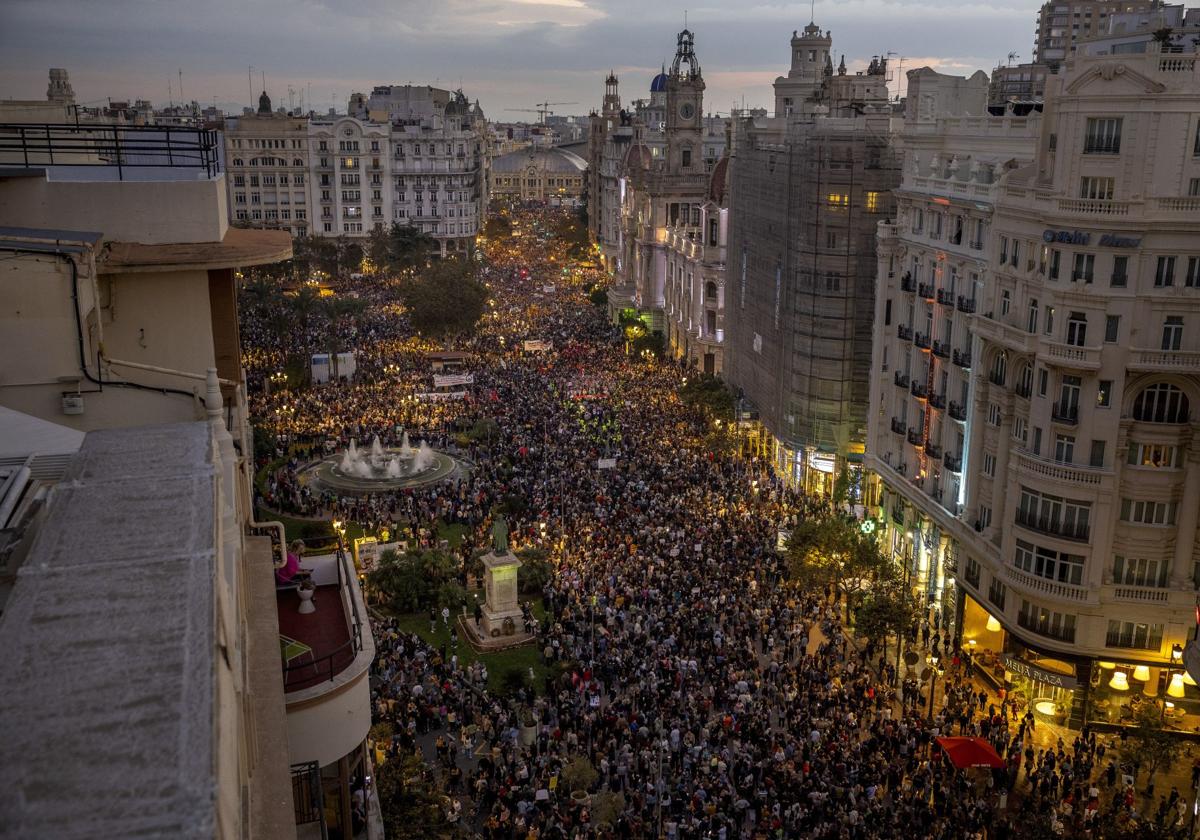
x=1000 y=368
x=1025 y=381
x=297 y=162
x=1161 y=403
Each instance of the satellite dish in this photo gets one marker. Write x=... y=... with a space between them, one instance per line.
x=912 y=658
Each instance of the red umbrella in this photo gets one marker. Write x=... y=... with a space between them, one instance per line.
x=971 y=752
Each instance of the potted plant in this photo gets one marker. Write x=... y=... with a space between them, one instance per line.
x=306 y=589
x=579 y=775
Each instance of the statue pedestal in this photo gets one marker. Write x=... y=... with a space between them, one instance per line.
x=501 y=604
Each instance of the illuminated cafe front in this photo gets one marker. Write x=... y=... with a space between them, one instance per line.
x=1068 y=690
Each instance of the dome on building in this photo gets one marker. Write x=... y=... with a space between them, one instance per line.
x=718 y=183
x=659 y=85
x=555 y=161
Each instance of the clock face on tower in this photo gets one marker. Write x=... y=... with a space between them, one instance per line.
x=687 y=111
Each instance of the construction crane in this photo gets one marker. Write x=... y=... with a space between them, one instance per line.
x=543 y=110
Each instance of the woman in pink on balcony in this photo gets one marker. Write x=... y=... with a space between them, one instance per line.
x=291 y=572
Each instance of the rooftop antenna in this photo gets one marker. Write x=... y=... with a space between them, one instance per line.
x=182 y=98
x=812 y=12
x=1012 y=56
x=250 y=83
x=170 y=96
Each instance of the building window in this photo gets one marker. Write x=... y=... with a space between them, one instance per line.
x=1054 y=515
x=1049 y=564
x=1084 y=267
x=1134 y=635
x=839 y=201
x=1077 y=329
x=1044 y=622
x=1112 y=328
x=1157 y=455
x=1147 y=513
x=1104 y=393
x=872 y=202
x=1138 y=571
x=1120 y=272
x=993 y=414
x=1020 y=429
x=1164 y=274
x=1192 y=278
x=1172 y=334
x=1103 y=136
x=997 y=592
x=1100 y=189
x=989 y=465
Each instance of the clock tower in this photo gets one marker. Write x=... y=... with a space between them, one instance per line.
x=685 y=114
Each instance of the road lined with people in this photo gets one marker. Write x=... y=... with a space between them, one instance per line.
x=698 y=693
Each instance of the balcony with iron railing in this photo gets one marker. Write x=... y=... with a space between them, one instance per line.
x=904 y=333
x=965 y=304
x=1044 y=627
x=919 y=389
x=921 y=340
x=952 y=462
x=933 y=450
x=1065 y=414
x=901 y=379
x=1052 y=526
x=957 y=412
x=174 y=153
x=916 y=437
x=941 y=349
x=323 y=643
x=907 y=284
x=926 y=291
x=945 y=298
x=898 y=426
x=937 y=401
x=962 y=359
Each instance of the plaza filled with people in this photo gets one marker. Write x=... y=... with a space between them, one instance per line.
x=692 y=690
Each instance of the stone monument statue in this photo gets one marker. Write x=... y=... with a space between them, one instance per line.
x=501 y=609
x=500 y=535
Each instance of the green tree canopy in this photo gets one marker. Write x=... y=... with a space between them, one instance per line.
x=400 y=248
x=1149 y=743
x=445 y=299
x=709 y=394
x=831 y=550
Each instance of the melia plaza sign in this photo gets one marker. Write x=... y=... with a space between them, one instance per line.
x=1078 y=237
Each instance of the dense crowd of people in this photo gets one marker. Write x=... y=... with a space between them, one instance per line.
x=711 y=697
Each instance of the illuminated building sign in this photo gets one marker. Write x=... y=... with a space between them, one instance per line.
x=1077 y=237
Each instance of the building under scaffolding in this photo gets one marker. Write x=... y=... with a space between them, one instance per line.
x=809 y=187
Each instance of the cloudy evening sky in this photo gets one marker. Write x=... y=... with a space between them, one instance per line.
x=507 y=53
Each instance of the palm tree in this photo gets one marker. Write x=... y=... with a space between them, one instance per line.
x=304 y=303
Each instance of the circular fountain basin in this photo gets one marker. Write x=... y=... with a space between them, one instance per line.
x=327 y=473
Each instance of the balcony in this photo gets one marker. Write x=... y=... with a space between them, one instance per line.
x=1070 y=356
x=957 y=412
x=1075 y=474
x=907 y=284
x=952 y=462
x=925 y=290
x=153 y=147
x=898 y=426
x=916 y=437
x=966 y=304
x=921 y=340
x=1005 y=335
x=933 y=450
x=1052 y=527
x=963 y=360
x=904 y=333
x=945 y=298
x=1065 y=414
x=901 y=379
x=1043 y=586
x=327 y=641
x=1142 y=594
x=1178 y=361
x=919 y=390
x=937 y=401
x=1045 y=628
x=941 y=349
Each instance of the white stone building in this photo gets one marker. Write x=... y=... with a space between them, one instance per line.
x=1058 y=522
x=415 y=156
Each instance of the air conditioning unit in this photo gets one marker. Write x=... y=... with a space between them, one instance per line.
x=72 y=404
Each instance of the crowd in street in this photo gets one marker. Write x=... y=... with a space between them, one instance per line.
x=712 y=697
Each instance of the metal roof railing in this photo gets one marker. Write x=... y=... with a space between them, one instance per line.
x=98 y=144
